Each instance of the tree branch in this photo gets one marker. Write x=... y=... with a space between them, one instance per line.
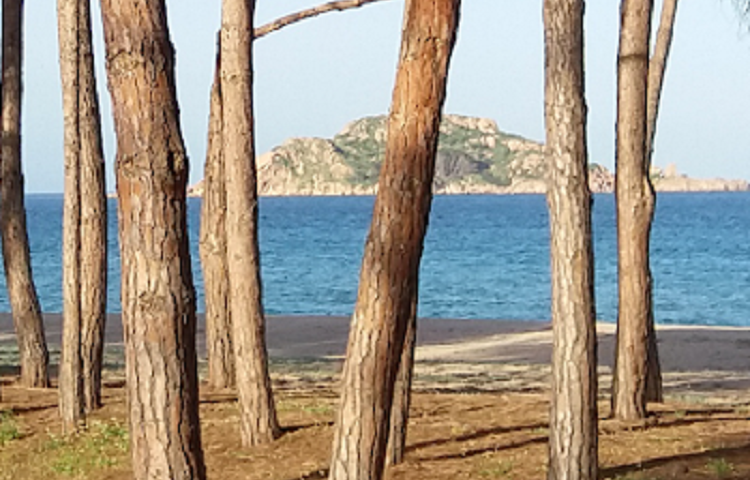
x=282 y=22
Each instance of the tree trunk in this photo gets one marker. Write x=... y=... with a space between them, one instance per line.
x=158 y=299
x=27 y=315
x=258 y=422
x=656 y=70
x=635 y=204
x=573 y=411
x=390 y=265
x=70 y=383
x=402 y=393
x=213 y=249
x=84 y=222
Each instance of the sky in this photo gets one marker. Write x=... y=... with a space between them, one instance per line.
x=314 y=77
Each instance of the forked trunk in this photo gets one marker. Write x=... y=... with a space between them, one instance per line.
x=84 y=222
x=213 y=251
x=258 y=422
x=390 y=265
x=158 y=299
x=24 y=303
x=573 y=409
x=635 y=204
x=656 y=70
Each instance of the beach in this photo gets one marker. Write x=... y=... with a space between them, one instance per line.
x=712 y=363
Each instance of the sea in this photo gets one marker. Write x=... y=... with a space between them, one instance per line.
x=485 y=256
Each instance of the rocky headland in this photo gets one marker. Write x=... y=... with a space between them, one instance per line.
x=474 y=157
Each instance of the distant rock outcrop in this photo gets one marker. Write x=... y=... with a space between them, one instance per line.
x=474 y=157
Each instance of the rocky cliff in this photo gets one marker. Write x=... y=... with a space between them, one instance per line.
x=474 y=156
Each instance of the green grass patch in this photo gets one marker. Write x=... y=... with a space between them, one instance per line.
x=101 y=445
x=8 y=427
x=719 y=467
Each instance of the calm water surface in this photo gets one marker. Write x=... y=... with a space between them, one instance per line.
x=485 y=256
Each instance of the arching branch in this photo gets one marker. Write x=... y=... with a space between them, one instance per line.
x=282 y=22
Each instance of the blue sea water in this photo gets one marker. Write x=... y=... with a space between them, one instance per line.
x=485 y=257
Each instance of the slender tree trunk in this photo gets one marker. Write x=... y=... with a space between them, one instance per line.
x=635 y=204
x=402 y=393
x=258 y=421
x=213 y=249
x=27 y=315
x=84 y=222
x=158 y=299
x=573 y=412
x=656 y=70
x=390 y=265
x=70 y=384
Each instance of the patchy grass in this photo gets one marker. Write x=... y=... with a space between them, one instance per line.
x=8 y=427
x=102 y=445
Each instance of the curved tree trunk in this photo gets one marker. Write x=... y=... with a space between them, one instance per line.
x=258 y=421
x=158 y=299
x=635 y=204
x=573 y=409
x=84 y=222
x=390 y=265
x=656 y=70
x=213 y=251
x=402 y=393
x=27 y=315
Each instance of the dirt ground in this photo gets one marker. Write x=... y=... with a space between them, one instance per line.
x=479 y=411
x=452 y=435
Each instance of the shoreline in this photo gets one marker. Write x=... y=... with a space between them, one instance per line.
x=701 y=363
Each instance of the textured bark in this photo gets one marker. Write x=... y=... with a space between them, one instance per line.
x=573 y=410
x=24 y=303
x=656 y=70
x=213 y=251
x=84 y=222
x=635 y=204
x=258 y=421
x=402 y=394
x=388 y=278
x=309 y=13
x=158 y=299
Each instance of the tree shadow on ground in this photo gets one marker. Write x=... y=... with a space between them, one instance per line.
x=727 y=462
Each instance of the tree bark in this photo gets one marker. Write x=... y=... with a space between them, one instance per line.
x=402 y=393
x=27 y=315
x=656 y=70
x=635 y=204
x=573 y=410
x=70 y=383
x=84 y=222
x=158 y=299
x=213 y=250
x=388 y=278
x=258 y=421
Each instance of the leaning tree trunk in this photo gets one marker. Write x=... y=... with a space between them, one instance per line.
x=390 y=265
x=573 y=410
x=84 y=222
x=635 y=204
x=213 y=251
x=656 y=70
x=258 y=421
x=158 y=299
x=27 y=315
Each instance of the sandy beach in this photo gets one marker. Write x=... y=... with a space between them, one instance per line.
x=710 y=363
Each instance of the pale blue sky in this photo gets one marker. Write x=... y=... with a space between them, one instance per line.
x=314 y=77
